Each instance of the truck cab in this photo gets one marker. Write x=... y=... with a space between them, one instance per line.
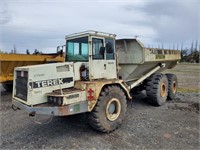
x=93 y=54
x=56 y=88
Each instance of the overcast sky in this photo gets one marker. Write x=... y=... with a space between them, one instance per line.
x=43 y=24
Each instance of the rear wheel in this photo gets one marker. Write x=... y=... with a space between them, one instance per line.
x=157 y=89
x=108 y=113
x=172 y=86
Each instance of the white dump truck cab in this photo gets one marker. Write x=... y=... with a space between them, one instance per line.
x=93 y=54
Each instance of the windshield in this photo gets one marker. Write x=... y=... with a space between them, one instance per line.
x=77 y=49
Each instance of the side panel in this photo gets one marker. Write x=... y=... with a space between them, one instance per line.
x=111 y=71
x=98 y=69
x=77 y=66
x=46 y=78
x=130 y=51
x=105 y=69
x=43 y=79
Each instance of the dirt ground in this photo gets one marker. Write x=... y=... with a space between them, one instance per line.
x=174 y=125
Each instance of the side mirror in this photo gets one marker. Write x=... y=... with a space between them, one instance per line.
x=109 y=48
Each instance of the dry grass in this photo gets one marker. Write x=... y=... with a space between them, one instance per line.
x=188 y=77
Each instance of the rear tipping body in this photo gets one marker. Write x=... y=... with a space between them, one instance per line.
x=94 y=62
x=10 y=61
x=135 y=60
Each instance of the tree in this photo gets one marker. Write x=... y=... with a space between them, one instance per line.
x=191 y=50
x=196 y=45
x=27 y=51
x=14 y=49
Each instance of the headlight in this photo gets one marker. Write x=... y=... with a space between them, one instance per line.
x=55 y=100
x=59 y=101
x=50 y=99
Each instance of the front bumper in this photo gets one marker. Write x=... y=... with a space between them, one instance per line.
x=47 y=109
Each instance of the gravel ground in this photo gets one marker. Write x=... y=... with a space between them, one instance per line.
x=172 y=126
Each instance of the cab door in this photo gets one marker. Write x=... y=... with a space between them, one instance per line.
x=103 y=63
x=98 y=62
x=111 y=66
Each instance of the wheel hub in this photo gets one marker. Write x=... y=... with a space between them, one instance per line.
x=113 y=109
x=174 y=87
x=163 y=90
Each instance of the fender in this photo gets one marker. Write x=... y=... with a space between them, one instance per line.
x=94 y=88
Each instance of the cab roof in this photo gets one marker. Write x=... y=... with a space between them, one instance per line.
x=90 y=32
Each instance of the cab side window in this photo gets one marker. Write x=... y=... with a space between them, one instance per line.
x=109 y=49
x=97 y=45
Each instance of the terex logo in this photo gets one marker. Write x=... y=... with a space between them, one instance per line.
x=51 y=82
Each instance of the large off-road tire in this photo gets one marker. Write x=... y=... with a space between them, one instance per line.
x=157 y=89
x=172 y=86
x=108 y=113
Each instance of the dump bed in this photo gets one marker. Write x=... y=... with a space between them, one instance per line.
x=9 y=61
x=135 y=60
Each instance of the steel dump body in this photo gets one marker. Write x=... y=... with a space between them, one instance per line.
x=9 y=61
x=135 y=60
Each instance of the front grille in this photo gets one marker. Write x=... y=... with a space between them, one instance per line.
x=21 y=82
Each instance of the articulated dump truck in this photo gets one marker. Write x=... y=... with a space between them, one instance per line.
x=9 y=61
x=97 y=77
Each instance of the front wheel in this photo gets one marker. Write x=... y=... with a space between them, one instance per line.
x=108 y=113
